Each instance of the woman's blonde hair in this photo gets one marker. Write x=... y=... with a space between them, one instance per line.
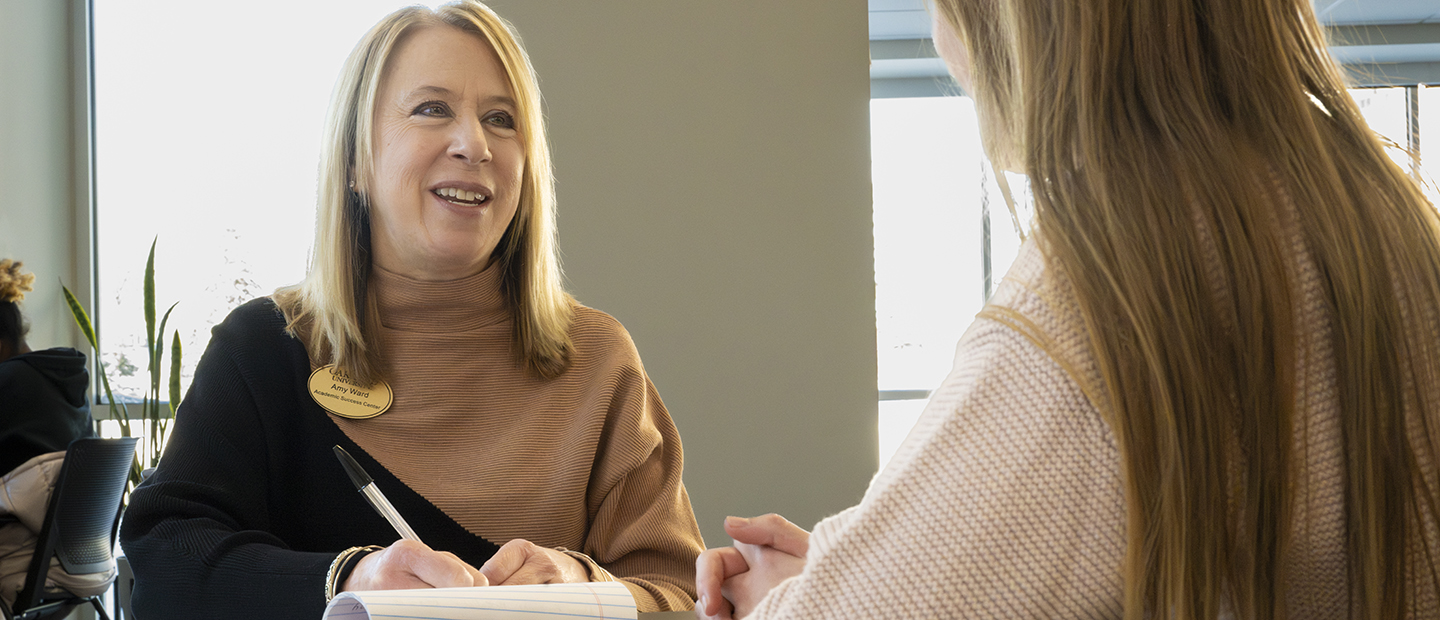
x=13 y=286
x=1145 y=124
x=333 y=310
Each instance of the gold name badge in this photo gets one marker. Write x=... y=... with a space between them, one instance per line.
x=339 y=394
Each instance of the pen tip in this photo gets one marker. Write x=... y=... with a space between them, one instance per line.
x=352 y=468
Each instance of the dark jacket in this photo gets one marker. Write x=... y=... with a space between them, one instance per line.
x=42 y=404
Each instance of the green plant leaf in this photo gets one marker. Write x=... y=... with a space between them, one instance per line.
x=174 y=373
x=83 y=320
x=159 y=356
x=155 y=438
x=150 y=305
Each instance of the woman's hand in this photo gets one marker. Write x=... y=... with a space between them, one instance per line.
x=521 y=562
x=408 y=564
x=731 y=580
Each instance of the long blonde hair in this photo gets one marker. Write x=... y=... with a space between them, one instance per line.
x=333 y=309
x=1143 y=124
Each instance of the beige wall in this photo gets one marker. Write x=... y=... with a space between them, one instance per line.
x=37 y=183
x=713 y=167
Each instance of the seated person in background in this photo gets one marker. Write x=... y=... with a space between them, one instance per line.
x=42 y=409
x=1209 y=386
x=514 y=429
x=42 y=393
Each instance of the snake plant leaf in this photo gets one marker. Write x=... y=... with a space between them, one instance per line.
x=150 y=305
x=175 y=373
x=152 y=407
x=82 y=319
x=158 y=352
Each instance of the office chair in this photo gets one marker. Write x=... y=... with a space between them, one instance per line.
x=80 y=526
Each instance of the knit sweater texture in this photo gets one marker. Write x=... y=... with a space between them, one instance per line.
x=1006 y=500
x=249 y=506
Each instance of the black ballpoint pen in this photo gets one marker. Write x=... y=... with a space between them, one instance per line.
x=366 y=486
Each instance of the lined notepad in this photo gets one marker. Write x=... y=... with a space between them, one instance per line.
x=560 y=601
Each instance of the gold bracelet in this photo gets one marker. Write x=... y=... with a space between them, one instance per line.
x=331 y=588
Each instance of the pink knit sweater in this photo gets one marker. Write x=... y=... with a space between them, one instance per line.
x=1006 y=500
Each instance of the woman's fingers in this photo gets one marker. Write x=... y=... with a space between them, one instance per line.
x=476 y=577
x=521 y=562
x=408 y=564
x=768 y=550
x=712 y=568
x=730 y=581
x=768 y=568
x=724 y=611
x=506 y=562
x=770 y=530
x=439 y=570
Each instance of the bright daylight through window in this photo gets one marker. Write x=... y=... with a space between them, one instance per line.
x=927 y=171
x=207 y=139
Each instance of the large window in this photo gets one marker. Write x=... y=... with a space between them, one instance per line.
x=207 y=138
x=942 y=229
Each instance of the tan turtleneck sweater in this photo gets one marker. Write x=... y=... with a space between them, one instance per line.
x=588 y=461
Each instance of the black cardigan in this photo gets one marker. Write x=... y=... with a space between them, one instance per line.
x=249 y=505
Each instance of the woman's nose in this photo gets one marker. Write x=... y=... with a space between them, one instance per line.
x=470 y=143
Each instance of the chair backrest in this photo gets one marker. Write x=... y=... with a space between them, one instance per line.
x=84 y=509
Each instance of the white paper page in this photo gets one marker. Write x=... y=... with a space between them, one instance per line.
x=561 y=601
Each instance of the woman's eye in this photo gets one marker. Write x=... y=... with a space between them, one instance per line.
x=501 y=119
x=431 y=108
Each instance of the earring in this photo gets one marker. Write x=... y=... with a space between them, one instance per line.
x=352 y=184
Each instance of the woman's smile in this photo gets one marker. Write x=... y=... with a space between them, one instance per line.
x=462 y=197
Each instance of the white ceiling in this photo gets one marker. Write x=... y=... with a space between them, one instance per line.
x=907 y=19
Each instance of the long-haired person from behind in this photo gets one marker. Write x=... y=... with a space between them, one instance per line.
x=513 y=429
x=1209 y=386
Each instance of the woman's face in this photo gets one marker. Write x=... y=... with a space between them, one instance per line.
x=448 y=158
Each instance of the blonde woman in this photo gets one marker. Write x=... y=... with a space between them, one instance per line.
x=1210 y=385
x=514 y=429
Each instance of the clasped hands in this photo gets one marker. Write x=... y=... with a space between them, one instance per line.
x=730 y=581
x=409 y=564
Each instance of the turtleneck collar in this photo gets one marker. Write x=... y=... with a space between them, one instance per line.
x=463 y=304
